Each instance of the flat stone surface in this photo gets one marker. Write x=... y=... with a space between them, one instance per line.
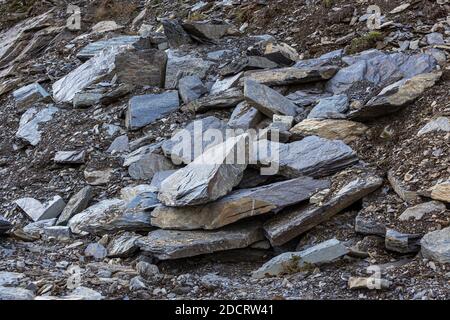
x=292 y=262
x=436 y=245
x=205 y=31
x=344 y=130
x=146 y=167
x=97 y=177
x=29 y=94
x=70 y=157
x=11 y=293
x=440 y=124
x=191 y=88
x=245 y=117
x=30 y=123
x=144 y=110
x=226 y=83
x=193 y=140
x=170 y=244
x=10 y=279
x=224 y=99
x=419 y=211
x=441 y=192
x=123 y=246
x=238 y=205
x=294 y=222
x=330 y=108
x=120 y=144
x=208 y=177
x=402 y=243
x=306 y=98
x=76 y=204
x=38 y=211
x=94 y=48
x=267 y=100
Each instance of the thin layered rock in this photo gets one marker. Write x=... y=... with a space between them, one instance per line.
x=207 y=178
x=30 y=122
x=245 y=117
x=170 y=244
x=76 y=204
x=224 y=99
x=95 y=48
x=29 y=94
x=441 y=192
x=436 y=245
x=238 y=205
x=294 y=222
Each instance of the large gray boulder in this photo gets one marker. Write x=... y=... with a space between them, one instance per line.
x=436 y=245
x=238 y=205
x=147 y=165
x=211 y=176
x=145 y=109
x=170 y=244
x=206 y=31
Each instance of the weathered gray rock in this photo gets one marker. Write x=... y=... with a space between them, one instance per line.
x=70 y=157
x=294 y=222
x=145 y=201
x=76 y=204
x=145 y=109
x=148 y=165
x=88 y=73
x=191 y=88
x=141 y=67
x=60 y=233
x=369 y=226
x=159 y=177
x=37 y=228
x=123 y=246
x=105 y=26
x=11 y=293
x=441 y=192
x=5 y=225
x=193 y=140
x=224 y=99
x=397 y=95
x=38 y=211
x=149 y=272
x=267 y=100
x=344 y=130
x=86 y=99
x=10 y=279
x=184 y=64
x=95 y=48
x=281 y=53
x=434 y=38
x=30 y=123
x=175 y=33
x=140 y=152
x=291 y=262
x=169 y=244
x=290 y=76
x=120 y=144
x=399 y=188
x=84 y=293
x=206 y=31
x=312 y=156
x=109 y=216
x=238 y=205
x=129 y=193
x=29 y=94
x=97 y=177
x=330 y=108
x=307 y=98
x=402 y=243
x=219 y=55
x=419 y=211
x=208 y=177
x=436 y=245
x=440 y=124
x=245 y=117
x=247 y=63
x=226 y=83
x=96 y=251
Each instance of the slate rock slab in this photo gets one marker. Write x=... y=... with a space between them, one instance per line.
x=30 y=123
x=146 y=167
x=223 y=99
x=238 y=205
x=76 y=204
x=12 y=293
x=144 y=110
x=38 y=211
x=29 y=94
x=436 y=245
x=175 y=34
x=70 y=157
x=333 y=107
x=333 y=129
x=170 y=244
x=96 y=47
x=245 y=117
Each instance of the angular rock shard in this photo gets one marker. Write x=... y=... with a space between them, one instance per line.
x=175 y=33
x=146 y=167
x=207 y=178
x=238 y=205
x=206 y=31
x=38 y=211
x=5 y=225
x=224 y=99
x=330 y=108
x=29 y=94
x=95 y=48
x=245 y=117
x=294 y=222
x=179 y=64
x=169 y=244
x=76 y=204
x=30 y=122
x=441 y=192
x=440 y=124
x=191 y=88
x=267 y=100
x=70 y=157
x=436 y=245
x=402 y=243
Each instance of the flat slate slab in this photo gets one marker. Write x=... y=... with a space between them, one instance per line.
x=238 y=205
x=285 y=226
x=94 y=48
x=170 y=244
x=145 y=109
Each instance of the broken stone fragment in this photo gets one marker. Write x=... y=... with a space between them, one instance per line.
x=194 y=139
x=436 y=245
x=123 y=246
x=76 y=204
x=206 y=31
x=95 y=48
x=306 y=98
x=290 y=76
x=38 y=211
x=13 y=293
x=267 y=100
x=245 y=117
x=369 y=227
x=144 y=110
x=405 y=194
x=434 y=38
x=30 y=122
x=224 y=99
x=191 y=88
x=96 y=251
x=109 y=216
x=226 y=83
x=371 y=283
x=441 y=192
x=170 y=244
x=5 y=225
x=10 y=279
x=70 y=157
x=419 y=211
x=247 y=63
x=312 y=156
x=106 y=26
x=440 y=124
x=141 y=152
x=86 y=99
x=397 y=95
x=402 y=243
x=287 y=225
x=330 y=108
x=238 y=205
x=88 y=73
x=97 y=177
x=29 y=94
x=344 y=130
x=141 y=67
x=281 y=53
x=148 y=165
x=212 y=175
x=292 y=262
x=175 y=33
x=61 y=233
x=35 y=229
x=158 y=178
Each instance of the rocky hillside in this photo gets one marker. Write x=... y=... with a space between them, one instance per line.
x=292 y=149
